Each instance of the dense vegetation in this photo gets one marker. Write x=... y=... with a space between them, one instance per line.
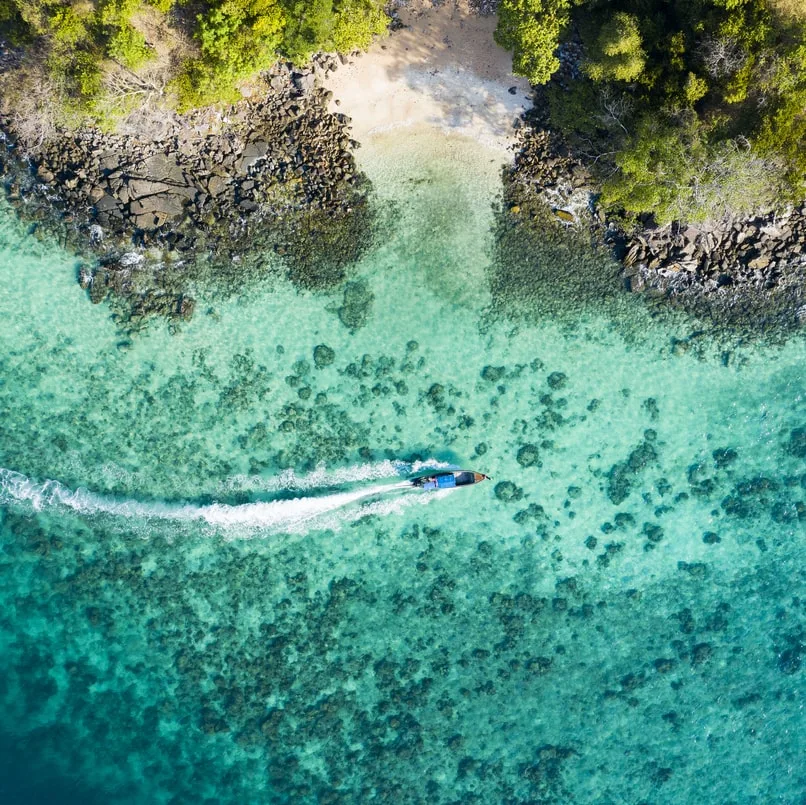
x=692 y=109
x=101 y=57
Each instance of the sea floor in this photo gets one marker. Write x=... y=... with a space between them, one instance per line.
x=212 y=588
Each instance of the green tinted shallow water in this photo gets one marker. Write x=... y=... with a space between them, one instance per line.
x=624 y=621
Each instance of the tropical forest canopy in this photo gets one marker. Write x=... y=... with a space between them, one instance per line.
x=693 y=109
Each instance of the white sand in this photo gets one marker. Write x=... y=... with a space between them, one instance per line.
x=443 y=71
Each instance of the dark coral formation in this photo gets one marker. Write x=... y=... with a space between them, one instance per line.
x=621 y=476
x=356 y=306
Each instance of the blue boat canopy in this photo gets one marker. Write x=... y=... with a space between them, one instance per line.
x=441 y=482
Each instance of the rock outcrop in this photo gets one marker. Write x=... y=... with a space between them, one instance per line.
x=278 y=174
x=750 y=271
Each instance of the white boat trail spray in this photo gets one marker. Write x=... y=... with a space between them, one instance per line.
x=295 y=515
x=323 y=478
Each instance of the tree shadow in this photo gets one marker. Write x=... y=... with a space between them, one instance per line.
x=450 y=58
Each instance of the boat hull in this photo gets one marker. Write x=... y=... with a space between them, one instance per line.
x=448 y=480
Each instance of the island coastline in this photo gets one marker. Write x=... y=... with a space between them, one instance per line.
x=280 y=165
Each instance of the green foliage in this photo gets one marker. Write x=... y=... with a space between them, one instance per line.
x=617 y=54
x=694 y=89
x=237 y=38
x=328 y=25
x=783 y=125
x=8 y=11
x=79 y=40
x=67 y=28
x=693 y=108
x=571 y=109
x=80 y=76
x=652 y=168
x=678 y=174
x=241 y=36
x=676 y=50
x=32 y=15
x=116 y=13
x=198 y=84
x=73 y=57
x=12 y=25
x=738 y=86
x=357 y=22
x=310 y=23
x=128 y=46
x=789 y=10
x=748 y=21
x=531 y=30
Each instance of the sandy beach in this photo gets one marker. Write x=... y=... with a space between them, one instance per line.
x=443 y=70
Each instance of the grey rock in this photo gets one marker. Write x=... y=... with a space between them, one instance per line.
x=162 y=168
x=139 y=188
x=304 y=83
x=164 y=204
x=252 y=153
x=106 y=204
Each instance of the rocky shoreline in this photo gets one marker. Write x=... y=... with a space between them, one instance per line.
x=153 y=218
x=745 y=272
x=156 y=218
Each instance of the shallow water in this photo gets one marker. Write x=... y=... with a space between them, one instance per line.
x=211 y=589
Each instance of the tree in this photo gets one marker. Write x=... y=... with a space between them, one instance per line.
x=310 y=25
x=128 y=46
x=617 y=53
x=783 y=121
x=531 y=30
x=357 y=22
x=237 y=38
x=12 y=24
x=342 y=25
x=241 y=36
x=675 y=172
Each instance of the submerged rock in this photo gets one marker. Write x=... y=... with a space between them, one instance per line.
x=323 y=355
x=507 y=491
x=557 y=380
x=356 y=305
x=790 y=658
x=492 y=374
x=528 y=455
x=796 y=446
x=724 y=457
x=620 y=477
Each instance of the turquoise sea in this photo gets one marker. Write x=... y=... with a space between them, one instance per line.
x=212 y=591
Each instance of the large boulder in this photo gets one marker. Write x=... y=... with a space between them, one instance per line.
x=252 y=153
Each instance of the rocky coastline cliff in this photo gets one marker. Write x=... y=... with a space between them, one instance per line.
x=153 y=218
x=750 y=271
x=156 y=217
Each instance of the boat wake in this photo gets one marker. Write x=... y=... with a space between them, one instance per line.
x=319 y=508
x=323 y=478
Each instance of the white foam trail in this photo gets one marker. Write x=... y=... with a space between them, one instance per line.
x=321 y=477
x=288 y=515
